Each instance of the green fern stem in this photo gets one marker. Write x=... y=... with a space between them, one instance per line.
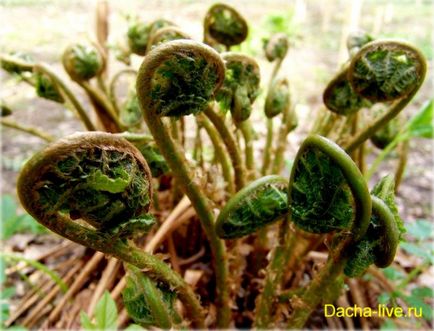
x=220 y=151
x=182 y=173
x=104 y=109
x=312 y=296
x=231 y=145
x=402 y=162
x=69 y=95
x=113 y=83
x=27 y=129
x=268 y=147
x=248 y=134
x=289 y=123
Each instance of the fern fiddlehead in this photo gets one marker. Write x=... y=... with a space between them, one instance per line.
x=179 y=78
x=258 y=204
x=47 y=83
x=83 y=63
x=319 y=206
x=340 y=98
x=368 y=234
x=241 y=85
x=277 y=100
x=140 y=33
x=240 y=89
x=46 y=88
x=382 y=71
x=104 y=181
x=224 y=25
x=326 y=193
x=164 y=34
x=148 y=303
x=379 y=244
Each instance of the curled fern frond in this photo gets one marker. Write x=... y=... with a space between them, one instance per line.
x=276 y=47
x=278 y=98
x=165 y=34
x=379 y=243
x=148 y=303
x=179 y=78
x=385 y=190
x=138 y=35
x=386 y=70
x=82 y=62
x=258 y=204
x=225 y=25
x=241 y=85
x=130 y=113
x=96 y=177
x=46 y=88
x=339 y=97
x=326 y=191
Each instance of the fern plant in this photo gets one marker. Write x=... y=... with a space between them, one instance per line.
x=97 y=188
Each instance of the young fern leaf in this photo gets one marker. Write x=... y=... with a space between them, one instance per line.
x=137 y=36
x=130 y=114
x=386 y=134
x=260 y=203
x=326 y=190
x=379 y=243
x=276 y=47
x=278 y=98
x=225 y=25
x=83 y=62
x=336 y=199
x=182 y=77
x=241 y=85
x=103 y=180
x=340 y=98
x=46 y=88
x=94 y=177
x=164 y=34
x=385 y=190
x=382 y=71
x=148 y=303
x=386 y=70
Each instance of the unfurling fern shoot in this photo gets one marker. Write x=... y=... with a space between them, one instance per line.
x=224 y=25
x=327 y=193
x=95 y=189
x=180 y=78
x=385 y=71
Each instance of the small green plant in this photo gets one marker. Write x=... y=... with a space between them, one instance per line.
x=14 y=222
x=105 y=317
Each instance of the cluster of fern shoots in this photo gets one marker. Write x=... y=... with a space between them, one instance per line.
x=234 y=219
